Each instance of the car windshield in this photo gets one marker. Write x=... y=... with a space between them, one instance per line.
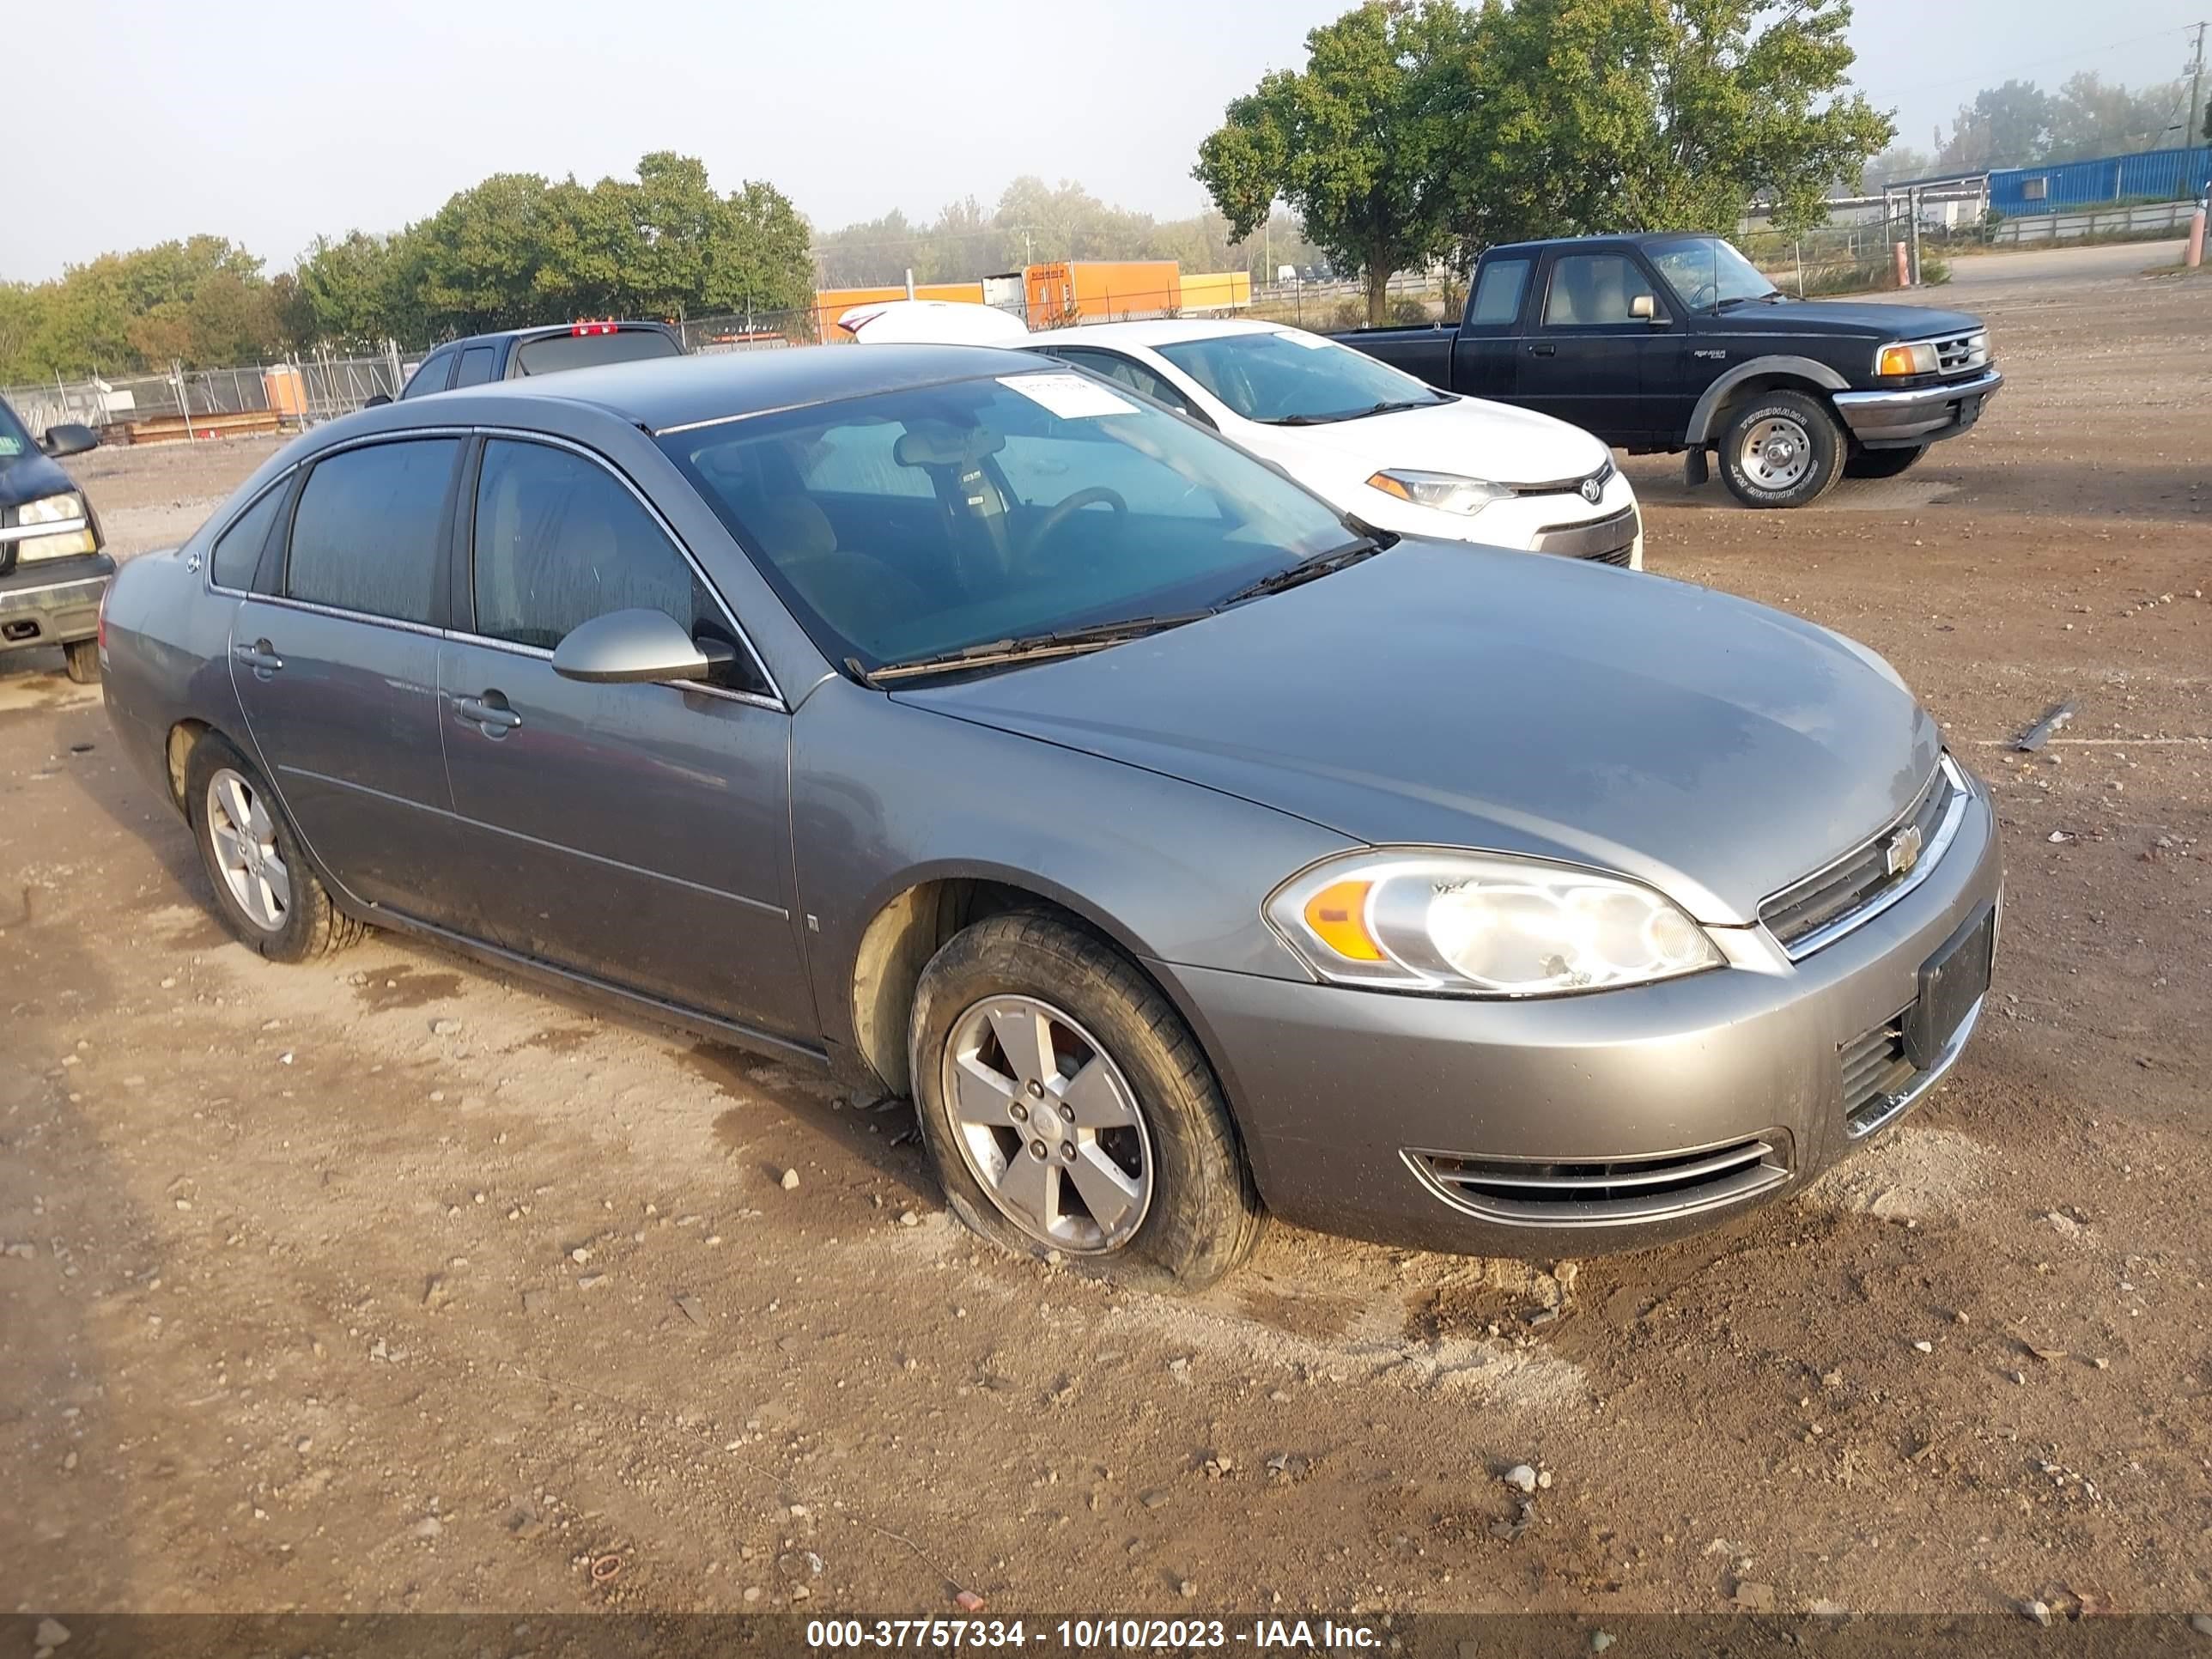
x=14 y=442
x=1708 y=273
x=938 y=519
x=1294 y=379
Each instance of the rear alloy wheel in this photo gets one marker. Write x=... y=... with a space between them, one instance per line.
x=1881 y=463
x=80 y=658
x=1781 y=449
x=262 y=886
x=1070 y=1111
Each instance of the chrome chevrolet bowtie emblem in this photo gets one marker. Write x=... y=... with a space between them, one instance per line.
x=1591 y=491
x=1903 y=851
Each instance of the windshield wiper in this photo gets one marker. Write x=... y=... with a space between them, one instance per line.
x=1767 y=298
x=1061 y=642
x=1389 y=406
x=1305 y=570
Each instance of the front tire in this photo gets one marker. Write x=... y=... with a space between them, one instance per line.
x=1070 y=1110
x=264 y=886
x=1881 y=463
x=1781 y=449
x=81 y=660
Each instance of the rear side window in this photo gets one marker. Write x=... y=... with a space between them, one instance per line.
x=437 y=370
x=238 y=549
x=1498 y=293
x=369 y=527
x=475 y=366
x=558 y=351
x=560 y=540
x=1134 y=375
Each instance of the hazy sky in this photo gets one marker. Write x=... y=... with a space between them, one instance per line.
x=269 y=123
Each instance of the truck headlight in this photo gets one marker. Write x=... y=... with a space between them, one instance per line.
x=1917 y=357
x=1448 y=492
x=72 y=533
x=1483 y=925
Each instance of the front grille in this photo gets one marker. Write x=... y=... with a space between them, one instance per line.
x=1802 y=915
x=1584 y=1193
x=1961 y=352
x=1609 y=540
x=1876 y=1074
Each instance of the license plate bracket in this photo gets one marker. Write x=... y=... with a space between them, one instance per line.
x=1952 y=981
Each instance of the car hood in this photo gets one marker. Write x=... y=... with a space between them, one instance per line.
x=1466 y=435
x=1449 y=695
x=29 y=476
x=1889 y=322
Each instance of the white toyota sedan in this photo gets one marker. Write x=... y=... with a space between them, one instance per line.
x=1390 y=450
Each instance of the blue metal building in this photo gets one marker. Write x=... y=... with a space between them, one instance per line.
x=2154 y=175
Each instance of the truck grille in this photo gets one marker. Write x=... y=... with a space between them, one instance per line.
x=1961 y=352
x=1586 y=1193
x=1829 y=902
x=1610 y=540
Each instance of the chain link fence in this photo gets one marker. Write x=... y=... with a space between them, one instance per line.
x=203 y=403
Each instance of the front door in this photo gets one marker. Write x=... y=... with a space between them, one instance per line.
x=638 y=834
x=1588 y=358
x=336 y=670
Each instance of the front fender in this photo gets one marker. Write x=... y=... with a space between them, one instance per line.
x=1779 y=366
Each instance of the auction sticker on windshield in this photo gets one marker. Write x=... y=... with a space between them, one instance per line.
x=1071 y=397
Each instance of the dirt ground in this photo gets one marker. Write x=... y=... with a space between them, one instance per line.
x=389 y=1283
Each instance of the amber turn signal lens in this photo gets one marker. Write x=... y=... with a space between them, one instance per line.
x=1337 y=916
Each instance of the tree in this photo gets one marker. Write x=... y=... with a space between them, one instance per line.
x=1897 y=162
x=1355 y=142
x=2090 y=119
x=1612 y=115
x=2009 y=125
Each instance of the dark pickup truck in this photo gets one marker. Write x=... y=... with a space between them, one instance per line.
x=1673 y=341
x=515 y=352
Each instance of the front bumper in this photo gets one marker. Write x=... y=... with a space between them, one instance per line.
x=1920 y=415
x=1365 y=1112
x=53 y=602
x=1609 y=531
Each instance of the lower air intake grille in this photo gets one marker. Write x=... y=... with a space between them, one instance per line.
x=1875 y=1072
x=1600 y=1193
x=1608 y=540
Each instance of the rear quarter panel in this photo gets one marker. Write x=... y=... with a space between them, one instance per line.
x=167 y=660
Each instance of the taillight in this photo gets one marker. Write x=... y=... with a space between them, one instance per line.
x=591 y=328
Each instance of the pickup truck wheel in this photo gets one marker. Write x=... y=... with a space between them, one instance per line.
x=80 y=659
x=1070 y=1110
x=263 y=887
x=1881 y=463
x=1781 y=449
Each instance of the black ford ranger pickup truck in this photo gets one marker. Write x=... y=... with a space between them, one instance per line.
x=1671 y=341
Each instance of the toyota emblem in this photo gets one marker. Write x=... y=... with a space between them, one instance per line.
x=1592 y=489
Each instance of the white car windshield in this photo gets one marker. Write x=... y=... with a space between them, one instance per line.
x=933 y=519
x=1294 y=378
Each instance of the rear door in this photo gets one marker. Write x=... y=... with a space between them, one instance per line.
x=336 y=664
x=637 y=834
x=1587 y=358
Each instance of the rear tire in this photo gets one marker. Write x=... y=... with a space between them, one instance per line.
x=81 y=659
x=1141 y=1178
x=1781 y=449
x=267 y=892
x=1881 y=463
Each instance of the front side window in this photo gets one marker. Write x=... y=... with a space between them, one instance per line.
x=1593 y=288
x=237 y=550
x=1498 y=292
x=559 y=540
x=995 y=509
x=436 y=371
x=1129 y=373
x=369 y=528
x=1294 y=379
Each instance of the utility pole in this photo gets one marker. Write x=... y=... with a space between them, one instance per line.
x=2194 y=135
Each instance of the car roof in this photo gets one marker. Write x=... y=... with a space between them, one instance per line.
x=661 y=393
x=537 y=330
x=1632 y=238
x=1155 y=331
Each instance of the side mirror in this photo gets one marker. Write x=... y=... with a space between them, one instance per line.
x=376 y=400
x=1646 y=308
x=627 y=646
x=68 y=438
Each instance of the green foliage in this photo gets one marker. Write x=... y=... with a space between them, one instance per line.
x=1356 y=142
x=2020 y=125
x=202 y=302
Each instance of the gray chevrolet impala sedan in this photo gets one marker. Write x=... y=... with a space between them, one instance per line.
x=961 y=724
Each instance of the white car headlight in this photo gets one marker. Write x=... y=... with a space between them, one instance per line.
x=1483 y=925
x=71 y=535
x=1448 y=492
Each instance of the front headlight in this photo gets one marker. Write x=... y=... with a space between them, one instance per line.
x=72 y=537
x=1447 y=492
x=1483 y=925
x=1916 y=358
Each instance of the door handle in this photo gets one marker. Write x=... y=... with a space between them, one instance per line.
x=488 y=714
x=260 y=656
x=1543 y=351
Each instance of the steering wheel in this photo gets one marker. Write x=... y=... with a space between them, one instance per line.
x=1049 y=526
x=1705 y=294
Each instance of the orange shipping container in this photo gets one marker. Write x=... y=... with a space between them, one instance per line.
x=1101 y=290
